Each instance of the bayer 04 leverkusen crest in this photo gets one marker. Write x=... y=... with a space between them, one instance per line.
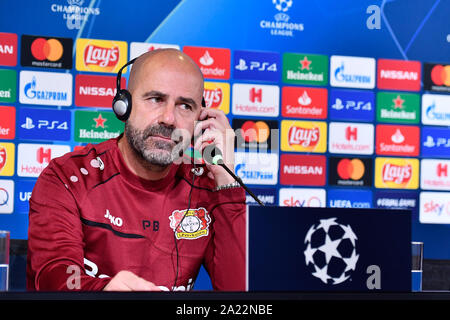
x=194 y=225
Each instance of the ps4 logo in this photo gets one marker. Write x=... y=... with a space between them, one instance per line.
x=440 y=142
x=45 y=124
x=256 y=65
x=352 y=104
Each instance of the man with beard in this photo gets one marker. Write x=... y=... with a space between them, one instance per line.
x=127 y=214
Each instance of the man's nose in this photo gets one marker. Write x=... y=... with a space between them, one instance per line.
x=168 y=114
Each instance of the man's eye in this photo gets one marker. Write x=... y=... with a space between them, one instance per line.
x=185 y=106
x=155 y=99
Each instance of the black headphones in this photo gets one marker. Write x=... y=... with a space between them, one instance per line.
x=122 y=101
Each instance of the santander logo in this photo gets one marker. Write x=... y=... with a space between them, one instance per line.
x=396 y=173
x=100 y=56
x=306 y=137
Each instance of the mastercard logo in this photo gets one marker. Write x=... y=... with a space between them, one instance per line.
x=440 y=75
x=43 y=49
x=257 y=131
x=350 y=169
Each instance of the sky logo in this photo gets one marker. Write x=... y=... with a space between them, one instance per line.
x=435 y=142
x=44 y=124
x=256 y=65
x=346 y=198
x=352 y=105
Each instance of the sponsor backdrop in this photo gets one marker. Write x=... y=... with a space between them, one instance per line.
x=347 y=102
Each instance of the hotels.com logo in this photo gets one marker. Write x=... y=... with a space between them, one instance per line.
x=304 y=137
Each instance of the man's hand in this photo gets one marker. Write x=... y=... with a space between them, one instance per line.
x=217 y=130
x=128 y=281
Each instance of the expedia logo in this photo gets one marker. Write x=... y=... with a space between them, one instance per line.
x=100 y=55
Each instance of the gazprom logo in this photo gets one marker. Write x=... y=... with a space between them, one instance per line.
x=435 y=109
x=45 y=88
x=353 y=72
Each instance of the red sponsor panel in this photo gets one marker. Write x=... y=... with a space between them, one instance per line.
x=302 y=170
x=213 y=62
x=95 y=91
x=398 y=74
x=302 y=102
x=7 y=123
x=397 y=140
x=8 y=49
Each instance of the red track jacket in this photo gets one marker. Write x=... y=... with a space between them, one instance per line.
x=90 y=214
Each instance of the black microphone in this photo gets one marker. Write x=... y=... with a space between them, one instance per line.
x=213 y=155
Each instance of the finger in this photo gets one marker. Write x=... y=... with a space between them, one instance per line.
x=133 y=282
x=213 y=113
x=139 y=284
x=205 y=124
x=208 y=137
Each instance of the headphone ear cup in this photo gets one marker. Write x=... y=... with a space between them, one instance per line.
x=122 y=105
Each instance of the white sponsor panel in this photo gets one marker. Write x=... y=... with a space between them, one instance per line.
x=352 y=72
x=6 y=196
x=302 y=197
x=352 y=138
x=256 y=100
x=435 y=174
x=45 y=88
x=434 y=207
x=138 y=48
x=33 y=158
x=436 y=109
x=257 y=168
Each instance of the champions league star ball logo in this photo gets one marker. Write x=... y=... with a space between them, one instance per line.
x=282 y=5
x=330 y=251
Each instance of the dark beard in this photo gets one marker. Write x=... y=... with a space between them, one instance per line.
x=159 y=152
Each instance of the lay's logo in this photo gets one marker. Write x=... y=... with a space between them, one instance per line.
x=100 y=55
x=303 y=136
x=396 y=173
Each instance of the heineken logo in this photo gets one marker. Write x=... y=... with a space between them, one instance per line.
x=305 y=69
x=398 y=107
x=8 y=88
x=91 y=126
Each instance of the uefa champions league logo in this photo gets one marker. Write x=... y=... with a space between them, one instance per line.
x=330 y=251
x=282 y=5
